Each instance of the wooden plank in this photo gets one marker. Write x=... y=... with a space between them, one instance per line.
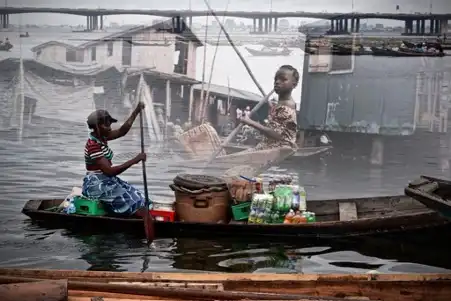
x=214 y=277
x=42 y=291
x=348 y=211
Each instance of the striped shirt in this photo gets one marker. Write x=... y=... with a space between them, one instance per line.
x=95 y=149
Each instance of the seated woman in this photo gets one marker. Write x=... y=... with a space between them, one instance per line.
x=280 y=130
x=101 y=181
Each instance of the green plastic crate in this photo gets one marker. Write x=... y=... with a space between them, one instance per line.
x=241 y=211
x=86 y=206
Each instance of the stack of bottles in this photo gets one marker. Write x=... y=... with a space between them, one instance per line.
x=282 y=203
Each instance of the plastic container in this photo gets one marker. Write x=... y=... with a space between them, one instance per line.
x=163 y=215
x=208 y=207
x=241 y=211
x=86 y=206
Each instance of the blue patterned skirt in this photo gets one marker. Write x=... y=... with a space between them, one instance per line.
x=117 y=195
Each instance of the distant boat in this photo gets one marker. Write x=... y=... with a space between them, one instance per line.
x=26 y=35
x=404 y=53
x=269 y=52
x=6 y=46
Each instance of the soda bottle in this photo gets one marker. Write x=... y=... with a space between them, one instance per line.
x=252 y=216
x=302 y=199
x=296 y=198
x=311 y=218
x=289 y=217
x=260 y=217
x=275 y=217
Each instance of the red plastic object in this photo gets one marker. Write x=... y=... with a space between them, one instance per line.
x=163 y=216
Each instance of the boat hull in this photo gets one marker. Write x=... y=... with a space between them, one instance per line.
x=299 y=154
x=378 y=216
x=388 y=52
x=268 y=53
x=432 y=193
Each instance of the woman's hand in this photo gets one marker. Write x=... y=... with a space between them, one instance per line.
x=246 y=120
x=140 y=157
x=141 y=105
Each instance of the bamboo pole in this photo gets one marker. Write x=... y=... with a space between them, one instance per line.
x=202 y=98
x=214 y=58
x=249 y=71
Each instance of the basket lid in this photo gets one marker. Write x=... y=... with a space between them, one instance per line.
x=196 y=181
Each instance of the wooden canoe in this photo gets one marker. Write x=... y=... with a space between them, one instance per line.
x=403 y=53
x=335 y=219
x=284 y=52
x=221 y=286
x=300 y=153
x=249 y=163
x=432 y=192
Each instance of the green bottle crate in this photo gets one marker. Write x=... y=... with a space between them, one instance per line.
x=87 y=206
x=241 y=211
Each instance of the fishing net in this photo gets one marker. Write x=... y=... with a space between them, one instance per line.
x=53 y=91
x=201 y=141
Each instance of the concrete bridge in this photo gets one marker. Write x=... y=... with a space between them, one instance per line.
x=263 y=21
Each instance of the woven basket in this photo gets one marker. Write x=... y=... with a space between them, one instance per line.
x=201 y=141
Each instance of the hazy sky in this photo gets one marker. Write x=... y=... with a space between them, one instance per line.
x=439 y=6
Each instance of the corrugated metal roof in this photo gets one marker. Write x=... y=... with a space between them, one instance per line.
x=235 y=93
x=90 y=39
x=91 y=70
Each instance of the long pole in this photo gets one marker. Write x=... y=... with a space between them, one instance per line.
x=148 y=219
x=202 y=98
x=214 y=56
x=249 y=71
x=22 y=92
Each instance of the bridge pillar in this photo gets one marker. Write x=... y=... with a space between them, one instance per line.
x=417 y=29
x=341 y=25
x=266 y=24
x=444 y=26
x=255 y=25
x=276 y=23
x=332 y=26
x=4 y=20
x=346 y=24
x=357 y=24
x=260 y=24
x=408 y=28
x=190 y=21
x=431 y=26
x=423 y=27
x=438 y=26
x=270 y=24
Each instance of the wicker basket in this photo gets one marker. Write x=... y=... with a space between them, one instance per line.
x=201 y=141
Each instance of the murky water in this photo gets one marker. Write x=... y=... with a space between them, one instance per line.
x=49 y=162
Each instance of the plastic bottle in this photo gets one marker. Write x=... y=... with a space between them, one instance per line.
x=296 y=198
x=299 y=218
x=311 y=218
x=71 y=208
x=252 y=216
x=302 y=199
x=289 y=217
x=260 y=217
x=258 y=185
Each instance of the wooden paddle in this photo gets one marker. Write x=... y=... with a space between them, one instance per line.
x=238 y=128
x=148 y=219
